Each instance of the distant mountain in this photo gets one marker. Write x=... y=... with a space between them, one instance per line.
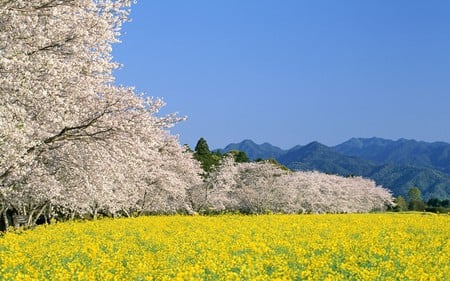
x=400 y=178
x=397 y=177
x=255 y=151
x=397 y=165
x=316 y=156
x=434 y=155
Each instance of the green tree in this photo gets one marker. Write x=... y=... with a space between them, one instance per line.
x=402 y=205
x=202 y=147
x=438 y=206
x=415 y=200
x=414 y=194
x=204 y=155
x=274 y=162
x=417 y=205
x=239 y=156
x=434 y=202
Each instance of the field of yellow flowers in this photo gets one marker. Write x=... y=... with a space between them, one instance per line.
x=233 y=247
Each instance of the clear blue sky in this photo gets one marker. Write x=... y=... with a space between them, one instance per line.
x=293 y=71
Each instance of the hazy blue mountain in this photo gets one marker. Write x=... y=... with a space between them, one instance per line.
x=316 y=156
x=397 y=177
x=255 y=151
x=397 y=165
x=434 y=155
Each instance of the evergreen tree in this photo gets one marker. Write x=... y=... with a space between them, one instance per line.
x=204 y=155
x=202 y=147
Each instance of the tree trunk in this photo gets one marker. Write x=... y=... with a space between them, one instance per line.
x=30 y=220
x=41 y=211
x=5 y=218
x=19 y=220
x=126 y=213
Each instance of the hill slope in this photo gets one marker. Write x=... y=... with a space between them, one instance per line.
x=410 y=152
x=255 y=151
x=316 y=156
x=397 y=165
x=400 y=178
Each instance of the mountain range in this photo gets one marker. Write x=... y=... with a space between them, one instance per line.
x=398 y=165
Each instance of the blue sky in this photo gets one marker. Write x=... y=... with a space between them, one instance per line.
x=293 y=71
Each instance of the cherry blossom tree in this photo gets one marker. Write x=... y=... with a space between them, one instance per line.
x=260 y=189
x=321 y=193
x=70 y=140
x=264 y=187
x=216 y=193
x=244 y=187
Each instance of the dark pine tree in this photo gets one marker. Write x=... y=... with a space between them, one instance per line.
x=204 y=155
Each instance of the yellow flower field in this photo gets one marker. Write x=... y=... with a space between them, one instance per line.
x=233 y=247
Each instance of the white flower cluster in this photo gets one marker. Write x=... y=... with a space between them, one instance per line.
x=71 y=142
x=264 y=187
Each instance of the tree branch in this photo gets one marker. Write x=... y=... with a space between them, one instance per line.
x=67 y=133
x=53 y=45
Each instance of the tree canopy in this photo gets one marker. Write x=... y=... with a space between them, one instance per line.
x=71 y=141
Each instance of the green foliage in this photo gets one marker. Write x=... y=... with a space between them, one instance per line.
x=415 y=200
x=204 y=155
x=274 y=162
x=436 y=205
x=434 y=202
x=402 y=205
x=207 y=158
x=414 y=194
x=202 y=147
x=239 y=156
x=417 y=205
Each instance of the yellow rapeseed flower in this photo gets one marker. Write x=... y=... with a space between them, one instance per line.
x=233 y=247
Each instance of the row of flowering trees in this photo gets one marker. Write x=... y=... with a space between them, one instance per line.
x=73 y=144
x=263 y=187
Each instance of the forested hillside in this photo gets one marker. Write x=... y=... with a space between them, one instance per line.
x=397 y=165
x=434 y=155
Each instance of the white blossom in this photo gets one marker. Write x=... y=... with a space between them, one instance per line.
x=71 y=142
x=264 y=187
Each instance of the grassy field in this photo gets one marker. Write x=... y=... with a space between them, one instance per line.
x=234 y=247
